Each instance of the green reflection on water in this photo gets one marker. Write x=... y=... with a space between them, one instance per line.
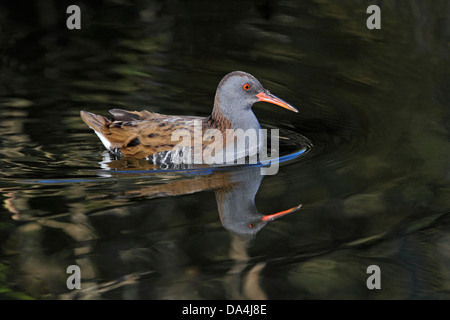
x=375 y=186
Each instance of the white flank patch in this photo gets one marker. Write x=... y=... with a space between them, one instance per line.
x=105 y=141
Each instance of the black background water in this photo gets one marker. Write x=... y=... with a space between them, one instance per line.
x=375 y=190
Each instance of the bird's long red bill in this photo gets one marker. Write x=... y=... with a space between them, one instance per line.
x=277 y=215
x=266 y=96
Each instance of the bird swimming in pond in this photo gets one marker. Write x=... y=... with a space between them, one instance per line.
x=151 y=135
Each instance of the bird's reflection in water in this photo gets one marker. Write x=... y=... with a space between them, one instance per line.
x=236 y=204
x=235 y=190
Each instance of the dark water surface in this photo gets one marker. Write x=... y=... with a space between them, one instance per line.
x=374 y=180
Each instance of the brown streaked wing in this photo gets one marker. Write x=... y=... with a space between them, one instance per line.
x=140 y=138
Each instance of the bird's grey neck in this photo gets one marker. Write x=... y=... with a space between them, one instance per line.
x=239 y=117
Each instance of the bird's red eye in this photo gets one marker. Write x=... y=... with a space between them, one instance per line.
x=251 y=225
x=246 y=86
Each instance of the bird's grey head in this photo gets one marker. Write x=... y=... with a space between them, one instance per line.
x=237 y=91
